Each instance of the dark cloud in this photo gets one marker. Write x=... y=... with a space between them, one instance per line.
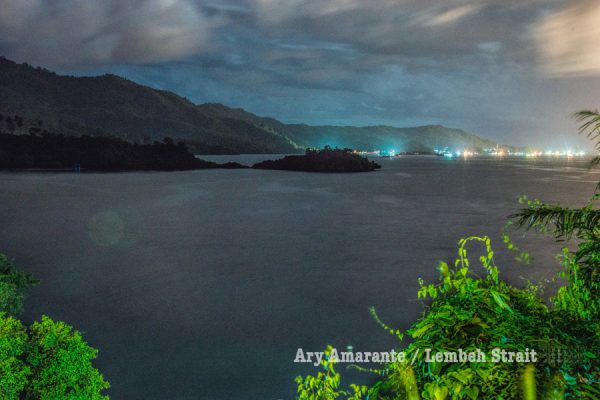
x=67 y=33
x=509 y=69
x=418 y=28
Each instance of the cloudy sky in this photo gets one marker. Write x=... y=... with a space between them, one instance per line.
x=511 y=70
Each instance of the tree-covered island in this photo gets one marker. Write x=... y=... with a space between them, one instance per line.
x=325 y=160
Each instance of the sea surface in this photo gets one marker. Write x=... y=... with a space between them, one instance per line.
x=203 y=284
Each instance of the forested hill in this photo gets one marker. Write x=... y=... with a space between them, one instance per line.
x=418 y=139
x=109 y=105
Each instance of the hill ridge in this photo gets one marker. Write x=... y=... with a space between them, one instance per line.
x=111 y=105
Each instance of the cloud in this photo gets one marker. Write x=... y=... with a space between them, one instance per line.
x=67 y=33
x=451 y=31
x=277 y=10
x=568 y=41
x=464 y=63
x=453 y=15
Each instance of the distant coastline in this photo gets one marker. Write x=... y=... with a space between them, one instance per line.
x=48 y=152
x=56 y=153
x=110 y=105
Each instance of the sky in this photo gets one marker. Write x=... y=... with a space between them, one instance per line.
x=510 y=70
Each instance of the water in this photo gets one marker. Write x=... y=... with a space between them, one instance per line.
x=203 y=284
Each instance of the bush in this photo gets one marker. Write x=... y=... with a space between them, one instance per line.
x=61 y=364
x=486 y=313
x=13 y=287
x=47 y=361
x=13 y=369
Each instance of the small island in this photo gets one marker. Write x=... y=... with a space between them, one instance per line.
x=325 y=160
x=47 y=151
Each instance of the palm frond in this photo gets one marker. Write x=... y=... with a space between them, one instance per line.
x=590 y=124
x=564 y=222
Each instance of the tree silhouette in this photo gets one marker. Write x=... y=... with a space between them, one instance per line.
x=10 y=125
x=19 y=122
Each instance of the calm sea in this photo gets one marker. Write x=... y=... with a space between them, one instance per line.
x=203 y=284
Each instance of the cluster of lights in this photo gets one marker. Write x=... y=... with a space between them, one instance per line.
x=367 y=153
x=567 y=153
x=493 y=152
x=380 y=153
x=534 y=154
x=450 y=154
x=549 y=153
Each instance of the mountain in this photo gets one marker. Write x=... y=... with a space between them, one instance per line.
x=109 y=105
x=418 y=139
x=415 y=139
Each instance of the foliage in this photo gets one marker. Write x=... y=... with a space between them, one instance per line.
x=590 y=126
x=486 y=313
x=325 y=160
x=61 y=364
x=325 y=386
x=520 y=254
x=13 y=286
x=47 y=361
x=581 y=297
x=13 y=369
x=96 y=154
x=563 y=222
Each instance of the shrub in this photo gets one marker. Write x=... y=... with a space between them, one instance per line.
x=325 y=386
x=13 y=287
x=13 y=370
x=48 y=361
x=61 y=364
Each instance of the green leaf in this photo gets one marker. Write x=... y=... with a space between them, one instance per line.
x=472 y=392
x=498 y=298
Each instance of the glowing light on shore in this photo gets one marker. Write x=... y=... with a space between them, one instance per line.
x=537 y=153
x=496 y=152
